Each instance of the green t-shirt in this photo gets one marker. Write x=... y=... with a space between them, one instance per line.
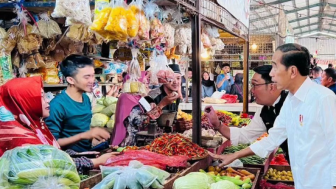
x=69 y=118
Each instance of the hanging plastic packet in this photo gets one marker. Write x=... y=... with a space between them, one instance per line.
x=160 y=72
x=6 y=70
x=78 y=11
x=183 y=39
x=96 y=90
x=112 y=68
x=117 y=22
x=205 y=40
x=47 y=28
x=133 y=85
x=100 y=21
x=144 y=24
x=132 y=22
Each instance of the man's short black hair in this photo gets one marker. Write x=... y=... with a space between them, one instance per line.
x=264 y=71
x=189 y=69
x=330 y=65
x=225 y=64
x=317 y=69
x=295 y=55
x=70 y=65
x=331 y=72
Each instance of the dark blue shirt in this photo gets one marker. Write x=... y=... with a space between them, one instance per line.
x=69 y=118
x=333 y=87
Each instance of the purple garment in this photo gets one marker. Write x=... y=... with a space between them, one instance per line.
x=126 y=103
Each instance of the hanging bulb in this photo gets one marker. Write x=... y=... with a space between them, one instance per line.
x=254 y=46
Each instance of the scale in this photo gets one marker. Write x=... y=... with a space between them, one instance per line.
x=156 y=128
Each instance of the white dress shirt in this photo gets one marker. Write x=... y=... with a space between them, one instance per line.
x=252 y=131
x=308 y=120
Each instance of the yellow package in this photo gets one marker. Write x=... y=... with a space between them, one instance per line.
x=134 y=87
x=132 y=23
x=101 y=19
x=51 y=71
x=51 y=79
x=117 y=24
x=144 y=24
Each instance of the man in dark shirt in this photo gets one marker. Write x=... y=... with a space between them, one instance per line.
x=272 y=99
x=329 y=79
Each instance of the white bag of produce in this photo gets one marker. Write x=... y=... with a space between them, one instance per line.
x=38 y=166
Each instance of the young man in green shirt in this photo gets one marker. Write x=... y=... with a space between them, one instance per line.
x=70 y=111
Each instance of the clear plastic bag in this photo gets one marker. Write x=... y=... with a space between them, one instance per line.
x=38 y=166
x=159 y=66
x=217 y=44
x=205 y=40
x=77 y=10
x=47 y=28
x=183 y=39
x=100 y=20
x=169 y=35
x=117 y=22
x=135 y=176
x=132 y=22
x=144 y=24
x=6 y=70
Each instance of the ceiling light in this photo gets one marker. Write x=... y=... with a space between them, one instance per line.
x=254 y=46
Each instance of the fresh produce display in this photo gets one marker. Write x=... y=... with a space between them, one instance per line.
x=279 y=159
x=265 y=185
x=183 y=115
x=176 y=144
x=239 y=174
x=38 y=166
x=103 y=112
x=254 y=160
x=194 y=180
x=148 y=158
x=273 y=174
x=135 y=176
x=221 y=116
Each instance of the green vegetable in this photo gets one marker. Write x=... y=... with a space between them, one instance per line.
x=109 y=100
x=59 y=163
x=67 y=174
x=97 y=108
x=248 y=180
x=224 y=184
x=246 y=186
x=120 y=149
x=83 y=177
x=193 y=181
x=110 y=124
x=99 y=120
x=101 y=101
x=254 y=160
x=22 y=181
x=34 y=173
x=109 y=185
x=233 y=180
x=109 y=110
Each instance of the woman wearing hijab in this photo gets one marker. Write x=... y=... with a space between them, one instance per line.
x=208 y=86
x=22 y=109
x=237 y=87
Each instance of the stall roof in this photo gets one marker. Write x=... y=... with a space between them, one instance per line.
x=306 y=17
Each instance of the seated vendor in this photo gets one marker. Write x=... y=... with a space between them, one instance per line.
x=130 y=115
x=70 y=111
x=169 y=88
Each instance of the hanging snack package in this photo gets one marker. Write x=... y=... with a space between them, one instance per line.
x=78 y=11
x=6 y=70
x=38 y=166
x=117 y=22
x=205 y=40
x=132 y=22
x=30 y=62
x=159 y=66
x=144 y=24
x=134 y=72
x=46 y=27
x=100 y=20
x=3 y=33
x=29 y=43
x=75 y=32
x=169 y=35
x=183 y=39
x=217 y=44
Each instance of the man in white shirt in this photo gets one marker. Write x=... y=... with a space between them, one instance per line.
x=307 y=119
x=272 y=99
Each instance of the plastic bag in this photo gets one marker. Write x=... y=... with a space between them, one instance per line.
x=169 y=35
x=183 y=39
x=159 y=66
x=144 y=24
x=77 y=10
x=117 y=22
x=47 y=28
x=212 y=32
x=38 y=166
x=217 y=44
x=51 y=79
x=114 y=68
x=3 y=33
x=132 y=22
x=100 y=20
x=6 y=70
x=205 y=40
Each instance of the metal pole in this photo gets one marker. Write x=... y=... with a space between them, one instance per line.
x=196 y=78
x=246 y=77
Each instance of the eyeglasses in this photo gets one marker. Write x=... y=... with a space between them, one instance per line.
x=256 y=85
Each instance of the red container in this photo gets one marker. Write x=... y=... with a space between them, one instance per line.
x=230 y=98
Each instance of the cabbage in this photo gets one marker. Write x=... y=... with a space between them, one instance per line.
x=101 y=101
x=109 y=100
x=99 y=120
x=223 y=184
x=110 y=110
x=97 y=108
x=110 y=124
x=194 y=180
